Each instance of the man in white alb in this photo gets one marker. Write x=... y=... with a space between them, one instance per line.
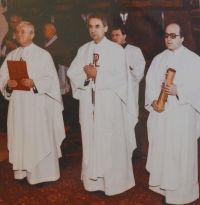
x=35 y=123
x=173 y=130
x=99 y=79
x=136 y=63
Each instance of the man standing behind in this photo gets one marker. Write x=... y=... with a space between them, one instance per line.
x=9 y=42
x=98 y=77
x=60 y=55
x=136 y=62
x=173 y=130
x=35 y=123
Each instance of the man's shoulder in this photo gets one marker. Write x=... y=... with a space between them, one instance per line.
x=114 y=45
x=186 y=52
x=12 y=53
x=132 y=47
x=191 y=53
x=36 y=47
x=84 y=46
x=113 y=48
x=39 y=50
x=160 y=55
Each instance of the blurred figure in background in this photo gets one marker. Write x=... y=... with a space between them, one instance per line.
x=9 y=42
x=60 y=55
x=3 y=23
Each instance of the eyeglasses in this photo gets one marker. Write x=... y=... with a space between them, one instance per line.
x=172 y=35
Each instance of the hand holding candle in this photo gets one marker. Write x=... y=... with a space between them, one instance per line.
x=167 y=87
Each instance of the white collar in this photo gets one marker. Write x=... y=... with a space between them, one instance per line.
x=51 y=41
x=177 y=52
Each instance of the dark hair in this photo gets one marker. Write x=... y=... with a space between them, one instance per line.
x=98 y=16
x=16 y=15
x=181 y=27
x=122 y=29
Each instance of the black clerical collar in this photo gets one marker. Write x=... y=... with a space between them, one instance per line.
x=124 y=45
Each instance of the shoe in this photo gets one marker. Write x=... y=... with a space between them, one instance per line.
x=22 y=181
x=98 y=193
x=40 y=185
x=164 y=201
x=62 y=162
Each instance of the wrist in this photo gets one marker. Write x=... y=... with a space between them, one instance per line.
x=8 y=89
x=32 y=84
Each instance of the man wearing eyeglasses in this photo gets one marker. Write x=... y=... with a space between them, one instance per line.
x=173 y=130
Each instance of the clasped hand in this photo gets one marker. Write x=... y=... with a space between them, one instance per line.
x=155 y=106
x=169 y=89
x=90 y=71
x=26 y=82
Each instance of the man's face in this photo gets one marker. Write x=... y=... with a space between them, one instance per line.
x=24 y=37
x=173 y=44
x=96 y=29
x=48 y=31
x=14 y=21
x=117 y=37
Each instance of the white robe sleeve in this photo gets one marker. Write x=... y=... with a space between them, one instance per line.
x=77 y=75
x=4 y=77
x=137 y=63
x=47 y=75
x=151 y=92
x=189 y=90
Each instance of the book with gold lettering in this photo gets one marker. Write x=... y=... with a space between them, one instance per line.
x=18 y=71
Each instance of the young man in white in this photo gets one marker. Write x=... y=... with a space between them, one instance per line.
x=173 y=130
x=136 y=63
x=99 y=79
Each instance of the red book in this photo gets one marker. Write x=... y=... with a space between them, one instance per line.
x=18 y=71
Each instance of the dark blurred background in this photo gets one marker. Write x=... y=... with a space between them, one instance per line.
x=145 y=22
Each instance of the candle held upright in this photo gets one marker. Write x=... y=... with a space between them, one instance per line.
x=168 y=80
